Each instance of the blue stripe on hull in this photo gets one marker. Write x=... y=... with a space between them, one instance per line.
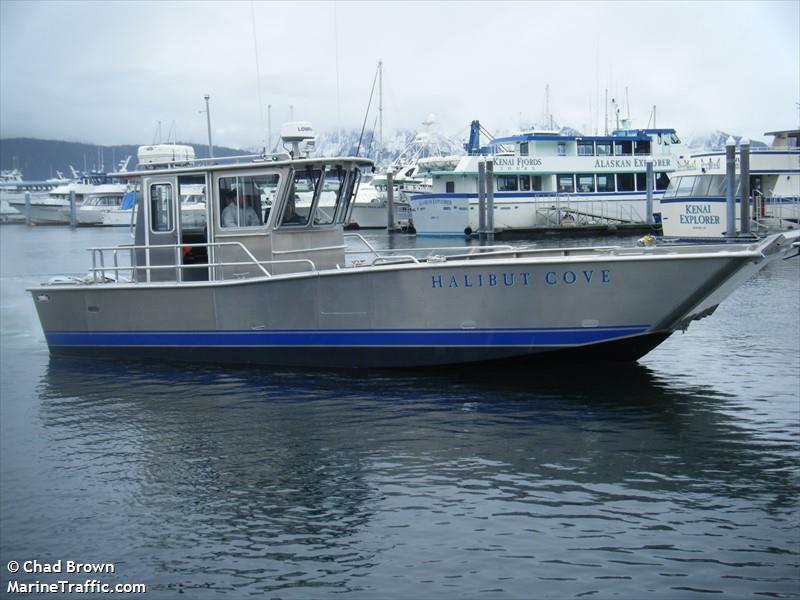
x=347 y=338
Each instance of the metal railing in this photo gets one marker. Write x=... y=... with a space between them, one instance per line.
x=100 y=270
x=390 y=256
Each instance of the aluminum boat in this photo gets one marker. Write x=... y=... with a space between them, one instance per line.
x=283 y=284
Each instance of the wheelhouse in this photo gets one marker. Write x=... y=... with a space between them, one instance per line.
x=261 y=218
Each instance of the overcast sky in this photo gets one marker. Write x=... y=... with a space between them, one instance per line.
x=108 y=72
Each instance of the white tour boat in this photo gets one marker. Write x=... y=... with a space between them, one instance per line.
x=547 y=179
x=694 y=205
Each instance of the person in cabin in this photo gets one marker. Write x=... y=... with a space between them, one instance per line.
x=290 y=215
x=237 y=213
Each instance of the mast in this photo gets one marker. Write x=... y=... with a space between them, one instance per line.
x=208 y=124
x=628 y=105
x=380 y=102
x=547 y=114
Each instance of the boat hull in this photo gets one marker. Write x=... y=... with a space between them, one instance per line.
x=410 y=315
x=457 y=214
x=45 y=211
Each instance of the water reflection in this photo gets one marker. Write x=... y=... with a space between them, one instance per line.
x=280 y=480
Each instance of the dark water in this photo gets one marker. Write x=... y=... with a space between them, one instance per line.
x=677 y=477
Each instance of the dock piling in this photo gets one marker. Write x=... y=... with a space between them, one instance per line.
x=744 y=184
x=28 y=220
x=389 y=202
x=730 y=191
x=649 y=188
x=73 y=215
x=490 y=200
x=481 y=200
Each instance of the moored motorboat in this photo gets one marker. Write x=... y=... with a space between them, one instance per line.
x=284 y=285
x=694 y=205
x=544 y=179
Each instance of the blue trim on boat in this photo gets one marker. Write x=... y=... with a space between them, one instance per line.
x=348 y=337
x=768 y=200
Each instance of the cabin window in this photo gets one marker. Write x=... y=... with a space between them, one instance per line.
x=701 y=185
x=672 y=188
x=605 y=183
x=161 y=211
x=330 y=197
x=626 y=182
x=585 y=149
x=684 y=187
x=536 y=183
x=585 y=182
x=662 y=180
x=566 y=184
x=641 y=147
x=603 y=148
x=525 y=183
x=718 y=186
x=246 y=201
x=506 y=183
x=450 y=187
x=623 y=148
x=300 y=197
x=523 y=148
x=641 y=181
x=562 y=148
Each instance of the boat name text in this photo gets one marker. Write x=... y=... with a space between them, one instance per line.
x=699 y=214
x=522 y=279
x=504 y=163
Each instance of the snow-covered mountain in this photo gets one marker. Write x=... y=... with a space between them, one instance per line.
x=715 y=140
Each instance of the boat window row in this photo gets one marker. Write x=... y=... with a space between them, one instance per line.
x=568 y=183
x=103 y=201
x=518 y=183
x=700 y=186
x=617 y=148
x=246 y=200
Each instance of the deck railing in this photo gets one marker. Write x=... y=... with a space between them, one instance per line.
x=392 y=255
x=216 y=269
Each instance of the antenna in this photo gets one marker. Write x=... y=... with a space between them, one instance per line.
x=606 y=133
x=338 y=100
x=208 y=124
x=628 y=103
x=269 y=127
x=258 y=70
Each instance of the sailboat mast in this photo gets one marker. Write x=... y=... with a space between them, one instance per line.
x=380 y=102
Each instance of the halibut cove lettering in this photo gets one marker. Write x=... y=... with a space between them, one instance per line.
x=522 y=279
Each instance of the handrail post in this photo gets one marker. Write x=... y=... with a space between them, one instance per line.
x=178 y=269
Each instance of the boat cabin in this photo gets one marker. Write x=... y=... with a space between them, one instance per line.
x=549 y=162
x=266 y=216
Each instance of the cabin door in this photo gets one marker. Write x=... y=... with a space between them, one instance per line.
x=162 y=228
